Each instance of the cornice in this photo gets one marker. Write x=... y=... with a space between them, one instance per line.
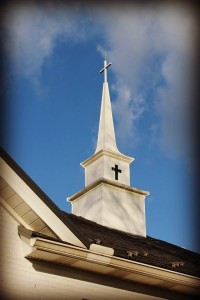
x=92 y=261
x=101 y=153
x=103 y=181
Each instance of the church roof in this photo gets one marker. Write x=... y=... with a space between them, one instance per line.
x=146 y=250
x=141 y=249
x=49 y=204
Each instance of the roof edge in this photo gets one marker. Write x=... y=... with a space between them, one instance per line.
x=36 y=189
x=173 y=279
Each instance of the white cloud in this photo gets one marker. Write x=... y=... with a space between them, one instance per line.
x=152 y=53
x=127 y=110
x=174 y=99
x=151 y=50
x=33 y=31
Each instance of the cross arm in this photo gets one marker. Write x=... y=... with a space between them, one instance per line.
x=106 y=67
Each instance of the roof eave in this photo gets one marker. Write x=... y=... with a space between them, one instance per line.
x=8 y=166
x=56 y=252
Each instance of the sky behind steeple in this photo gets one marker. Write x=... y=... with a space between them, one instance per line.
x=53 y=95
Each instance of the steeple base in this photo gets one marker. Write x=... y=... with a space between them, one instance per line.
x=112 y=204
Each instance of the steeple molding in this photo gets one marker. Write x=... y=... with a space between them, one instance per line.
x=118 y=156
x=108 y=182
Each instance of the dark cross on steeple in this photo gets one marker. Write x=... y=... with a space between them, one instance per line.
x=106 y=66
x=116 y=171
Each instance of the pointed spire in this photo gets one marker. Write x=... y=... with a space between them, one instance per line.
x=106 y=135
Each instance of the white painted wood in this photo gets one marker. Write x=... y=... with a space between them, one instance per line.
x=14 y=201
x=101 y=249
x=3 y=183
x=28 y=279
x=105 y=204
x=7 y=192
x=14 y=214
x=22 y=209
x=102 y=168
x=106 y=135
x=100 y=262
x=114 y=207
x=37 y=205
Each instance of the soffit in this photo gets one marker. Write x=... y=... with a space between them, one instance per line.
x=39 y=202
x=22 y=211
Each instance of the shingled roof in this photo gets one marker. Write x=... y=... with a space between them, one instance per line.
x=132 y=247
x=145 y=250
x=141 y=249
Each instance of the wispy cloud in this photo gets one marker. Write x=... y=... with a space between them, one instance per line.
x=151 y=50
x=33 y=31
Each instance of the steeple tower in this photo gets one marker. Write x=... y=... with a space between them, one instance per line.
x=107 y=197
x=107 y=162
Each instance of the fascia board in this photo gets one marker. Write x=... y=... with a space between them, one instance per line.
x=109 y=262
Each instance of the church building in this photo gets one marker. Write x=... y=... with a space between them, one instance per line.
x=101 y=250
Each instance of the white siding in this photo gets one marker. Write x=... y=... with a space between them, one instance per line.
x=23 y=279
x=113 y=207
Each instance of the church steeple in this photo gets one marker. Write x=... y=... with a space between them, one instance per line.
x=106 y=136
x=107 y=162
x=108 y=198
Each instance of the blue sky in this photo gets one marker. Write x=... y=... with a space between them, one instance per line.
x=52 y=96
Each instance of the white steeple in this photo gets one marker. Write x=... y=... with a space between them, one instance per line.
x=107 y=162
x=107 y=197
x=106 y=135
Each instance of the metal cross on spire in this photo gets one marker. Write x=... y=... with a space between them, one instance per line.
x=106 y=66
